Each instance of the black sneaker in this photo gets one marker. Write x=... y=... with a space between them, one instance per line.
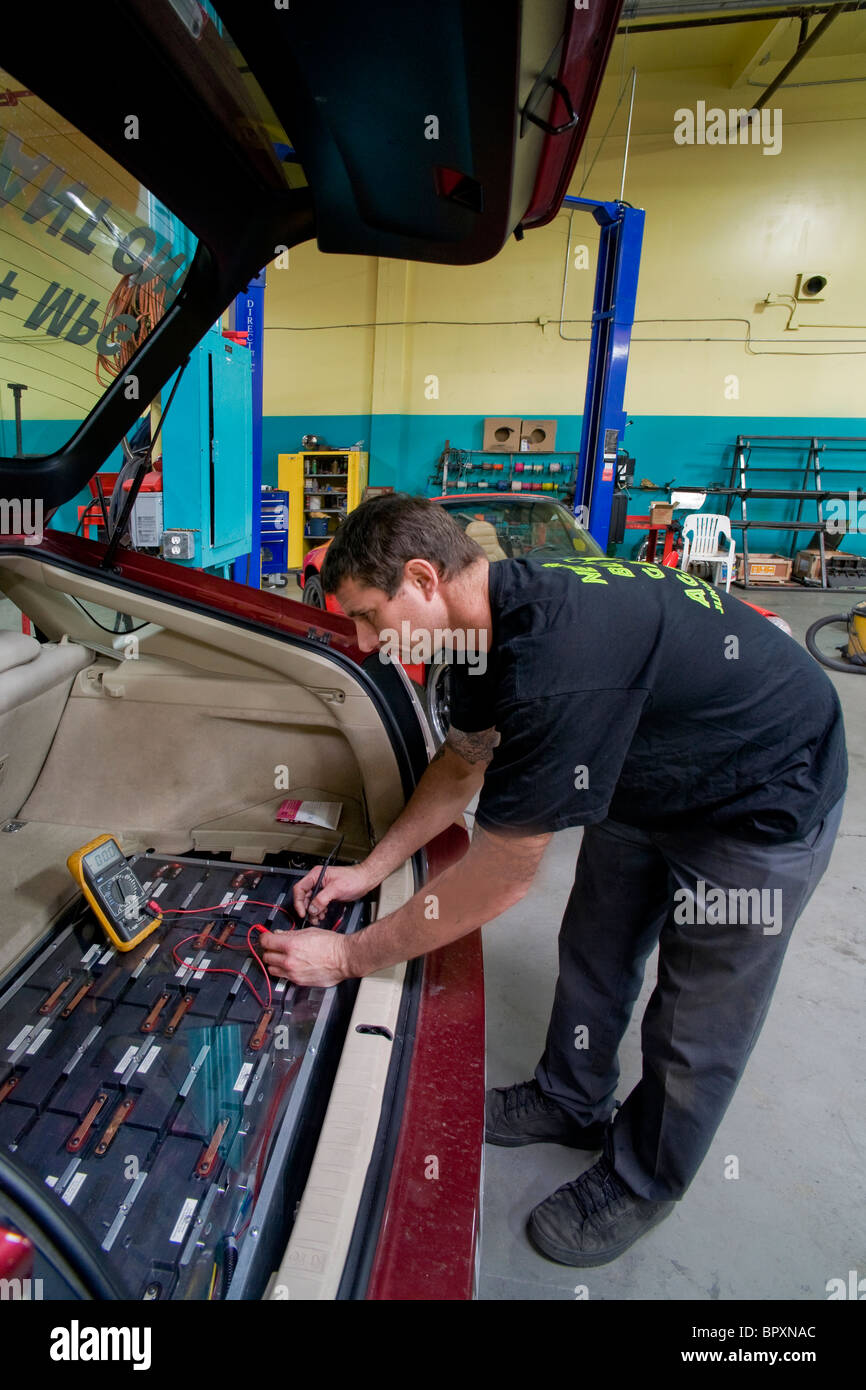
x=523 y=1114
x=594 y=1219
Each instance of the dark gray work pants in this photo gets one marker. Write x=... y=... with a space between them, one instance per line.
x=633 y=889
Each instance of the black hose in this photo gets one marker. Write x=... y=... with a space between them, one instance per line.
x=229 y=1261
x=67 y=1234
x=832 y=662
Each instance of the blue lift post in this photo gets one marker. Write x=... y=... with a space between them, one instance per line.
x=249 y=317
x=604 y=414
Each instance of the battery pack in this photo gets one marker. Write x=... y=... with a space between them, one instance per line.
x=165 y=1104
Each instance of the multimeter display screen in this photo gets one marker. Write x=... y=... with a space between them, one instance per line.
x=101 y=857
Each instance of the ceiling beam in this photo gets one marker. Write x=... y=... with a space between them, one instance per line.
x=757 y=46
x=710 y=21
x=807 y=42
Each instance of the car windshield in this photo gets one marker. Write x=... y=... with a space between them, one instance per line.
x=523 y=527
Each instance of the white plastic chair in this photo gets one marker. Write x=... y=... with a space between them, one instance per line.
x=702 y=533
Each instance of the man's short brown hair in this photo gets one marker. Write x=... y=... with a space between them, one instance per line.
x=377 y=539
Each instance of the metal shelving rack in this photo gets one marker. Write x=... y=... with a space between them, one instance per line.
x=309 y=474
x=815 y=472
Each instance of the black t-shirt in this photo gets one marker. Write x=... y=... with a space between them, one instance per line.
x=638 y=692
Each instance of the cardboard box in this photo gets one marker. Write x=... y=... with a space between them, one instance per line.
x=840 y=565
x=661 y=513
x=538 y=436
x=501 y=434
x=765 y=569
x=807 y=564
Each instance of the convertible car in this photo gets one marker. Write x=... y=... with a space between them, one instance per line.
x=506 y=526
x=173 y=1124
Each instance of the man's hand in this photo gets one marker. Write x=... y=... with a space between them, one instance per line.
x=342 y=884
x=309 y=957
x=494 y=875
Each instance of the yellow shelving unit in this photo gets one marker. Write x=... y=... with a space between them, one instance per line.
x=334 y=478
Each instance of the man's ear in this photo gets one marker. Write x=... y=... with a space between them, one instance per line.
x=422 y=574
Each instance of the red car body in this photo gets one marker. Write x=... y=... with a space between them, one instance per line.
x=315 y=559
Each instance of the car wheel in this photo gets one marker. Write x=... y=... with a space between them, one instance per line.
x=437 y=696
x=314 y=594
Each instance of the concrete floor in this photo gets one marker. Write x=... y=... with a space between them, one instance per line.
x=795 y=1217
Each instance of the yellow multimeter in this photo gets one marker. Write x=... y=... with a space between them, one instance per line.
x=113 y=891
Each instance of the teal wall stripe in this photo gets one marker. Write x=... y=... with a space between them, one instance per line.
x=678 y=449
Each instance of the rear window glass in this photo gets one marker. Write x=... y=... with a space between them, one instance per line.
x=90 y=262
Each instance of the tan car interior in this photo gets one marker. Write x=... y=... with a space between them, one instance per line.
x=484 y=533
x=184 y=734
x=170 y=737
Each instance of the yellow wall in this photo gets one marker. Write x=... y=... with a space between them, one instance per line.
x=725 y=226
x=319 y=372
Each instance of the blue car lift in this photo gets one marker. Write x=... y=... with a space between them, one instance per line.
x=604 y=415
x=248 y=317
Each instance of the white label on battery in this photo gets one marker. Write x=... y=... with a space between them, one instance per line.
x=240 y=902
x=148 y=1061
x=37 y=1042
x=69 y=1195
x=226 y=898
x=88 y=955
x=202 y=968
x=107 y=957
x=126 y=1058
x=281 y=987
x=182 y=1222
x=19 y=1037
x=52 y=1182
x=161 y=889
x=187 y=962
x=243 y=1076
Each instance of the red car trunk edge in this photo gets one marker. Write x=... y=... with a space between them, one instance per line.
x=429 y=1228
x=426 y=1246
x=195 y=586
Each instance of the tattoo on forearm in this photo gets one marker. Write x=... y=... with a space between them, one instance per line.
x=473 y=748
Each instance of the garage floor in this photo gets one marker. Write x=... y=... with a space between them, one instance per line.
x=795 y=1217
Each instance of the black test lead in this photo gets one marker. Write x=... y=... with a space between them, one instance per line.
x=327 y=864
